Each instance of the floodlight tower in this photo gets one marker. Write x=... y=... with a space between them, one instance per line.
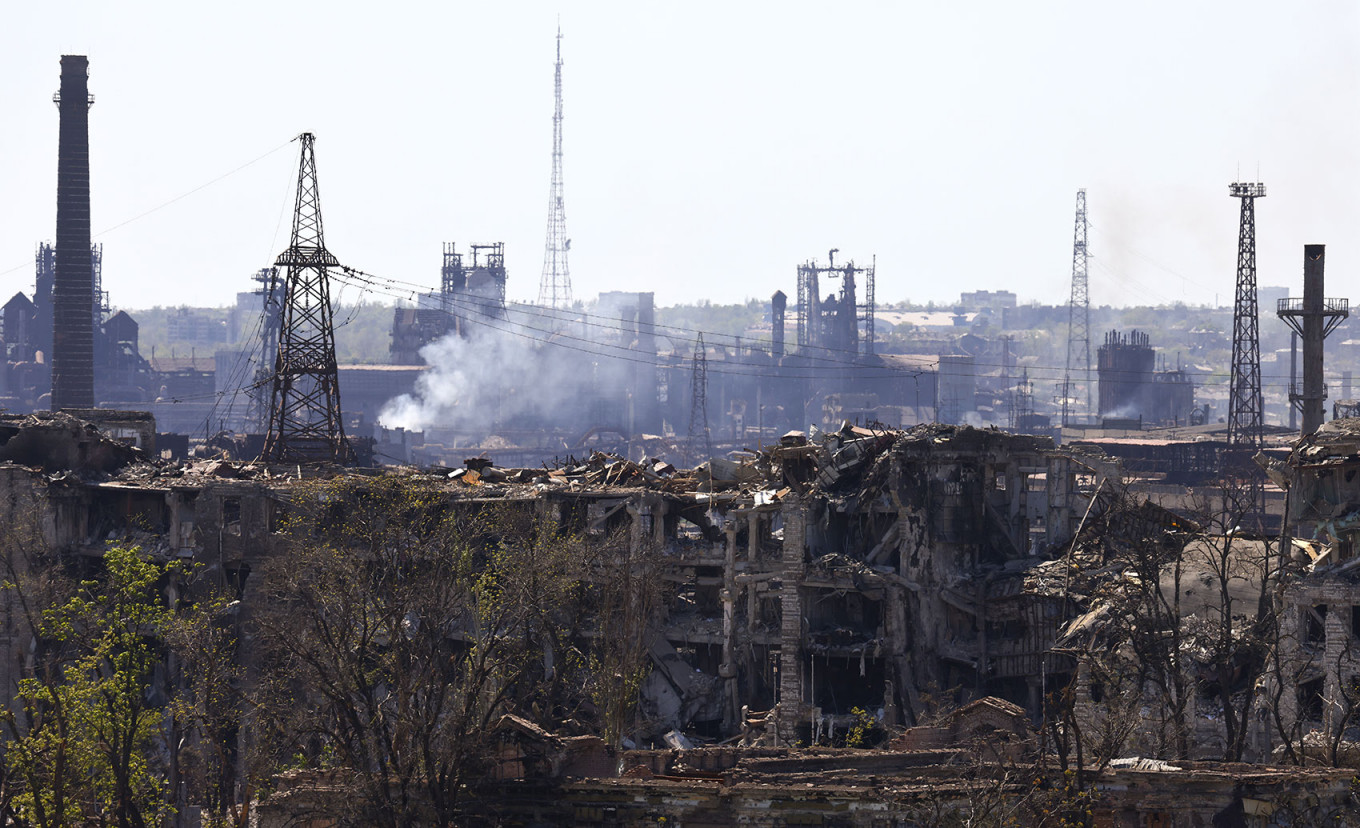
x=1078 y=314
x=304 y=413
x=554 y=289
x=1244 y=392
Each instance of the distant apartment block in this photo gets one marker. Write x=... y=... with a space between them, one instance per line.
x=977 y=300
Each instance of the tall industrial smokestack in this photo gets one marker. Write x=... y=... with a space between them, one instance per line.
x=1312 y=319
x=1314 y=390
x=73 y=291
x=778 y=303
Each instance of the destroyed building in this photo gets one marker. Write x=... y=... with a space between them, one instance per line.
x=858 y=570
x=1320 y=623
x=805 y=584
x=858 y=789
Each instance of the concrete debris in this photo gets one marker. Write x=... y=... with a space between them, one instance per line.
x=676 y=740
x=823 y=586
x=849 y=569
x=59 y=441
x=1138 y=763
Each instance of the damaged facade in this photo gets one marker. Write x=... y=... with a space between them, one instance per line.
x=860 y=576
x=1320 y=616
x=859 y=570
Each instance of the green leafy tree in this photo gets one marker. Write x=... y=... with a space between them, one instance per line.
x=81 y=749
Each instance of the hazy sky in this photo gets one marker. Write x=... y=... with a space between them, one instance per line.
x=709 y=147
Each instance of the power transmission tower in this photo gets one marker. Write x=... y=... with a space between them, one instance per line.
x=304 y=413
x=271 y=310
x=554 y=289
x=698 y=406
x=1244 y=393
x=1023 y=407
x=1078 y=315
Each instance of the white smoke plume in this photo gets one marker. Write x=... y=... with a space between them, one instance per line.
x=501 y=377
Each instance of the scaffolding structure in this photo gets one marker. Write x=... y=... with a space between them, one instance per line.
x=474 y=286
x=834 y=323
x=101 y=296
x=451 y=277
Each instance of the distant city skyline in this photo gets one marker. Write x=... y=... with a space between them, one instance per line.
x=707 y=150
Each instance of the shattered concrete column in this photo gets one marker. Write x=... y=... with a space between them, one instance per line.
x=897 y=666
x=1192 y=718
x=791 y=702
x=1085 y=710
x=752 y=605
x=635 y=511
x=1289 y=657
x=549 y=511
x=1336 y=643
x=659 y=509
x=752 y=593
x=727 y=670
x=1058 y=521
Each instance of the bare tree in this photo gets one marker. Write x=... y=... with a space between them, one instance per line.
x=407 y=624
x=1130 y=566
x=622 y=604
x=1233 y=628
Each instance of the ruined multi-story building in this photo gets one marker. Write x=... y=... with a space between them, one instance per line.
x=1320 y=612
x=860 y=570
x=807 y=585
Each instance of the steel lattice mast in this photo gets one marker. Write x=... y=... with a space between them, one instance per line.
x=304 y=413
x=270 y=291
x=1078 y=314
x=698 y=401
x=1244 y=394
x=554 y=289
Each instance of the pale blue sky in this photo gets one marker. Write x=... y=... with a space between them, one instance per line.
x=710 y=147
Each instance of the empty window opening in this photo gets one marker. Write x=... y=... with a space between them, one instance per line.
x=1315 y=624
x=231 y=515
x=1311 y=699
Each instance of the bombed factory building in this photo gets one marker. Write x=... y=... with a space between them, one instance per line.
x=859 y=569
x=967 y=594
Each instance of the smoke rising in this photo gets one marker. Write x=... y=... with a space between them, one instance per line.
x=498 y=378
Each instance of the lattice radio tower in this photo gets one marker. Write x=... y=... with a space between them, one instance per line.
x=1078 y=315
x=554 y=289
x=304 y=413
x=1244 y=394
x=698 y=405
